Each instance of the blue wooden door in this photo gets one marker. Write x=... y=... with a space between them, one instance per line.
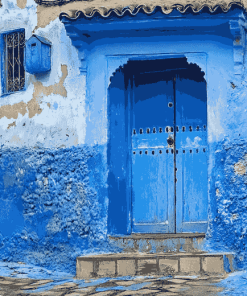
x=153 y=196
x=169 y=148
x=191 y=155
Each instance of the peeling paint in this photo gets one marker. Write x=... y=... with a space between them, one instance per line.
x=33 y=106
x=58 y=88
x=12 y=111
x=40 y=90
x=47 y=14
x=11 y=124
x=240 y=166
x=21 y=3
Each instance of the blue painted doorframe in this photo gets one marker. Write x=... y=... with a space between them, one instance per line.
x=169 y=151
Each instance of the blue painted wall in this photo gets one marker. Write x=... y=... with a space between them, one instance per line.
x=228 y=213
x=52 y=204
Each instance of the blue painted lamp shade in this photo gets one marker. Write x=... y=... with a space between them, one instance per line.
x=38 y=55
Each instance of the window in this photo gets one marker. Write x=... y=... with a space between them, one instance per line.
x=13 y=72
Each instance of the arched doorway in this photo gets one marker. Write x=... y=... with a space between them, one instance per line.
x=165 y=139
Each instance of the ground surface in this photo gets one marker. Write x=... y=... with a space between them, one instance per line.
x=21 y=279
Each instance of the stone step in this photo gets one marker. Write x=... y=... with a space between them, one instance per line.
x=134 y=264
x=157 y=243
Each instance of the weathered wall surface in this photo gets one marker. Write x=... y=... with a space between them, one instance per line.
x=228 y=184
x=52 y=192
x=52 y=204
x=53 y=137
x=51 y=111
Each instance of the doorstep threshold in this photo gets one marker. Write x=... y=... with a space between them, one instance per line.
x=158 y=235
x=163 y=264
x=138 y=255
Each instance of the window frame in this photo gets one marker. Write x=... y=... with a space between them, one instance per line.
x=3 y=74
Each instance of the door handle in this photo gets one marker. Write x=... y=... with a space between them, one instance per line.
x=170 y=141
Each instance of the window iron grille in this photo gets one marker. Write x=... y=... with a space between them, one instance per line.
x=14 y=70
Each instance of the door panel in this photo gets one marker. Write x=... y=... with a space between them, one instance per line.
x=152 y=167
x=153 y=210
x=191 y=157
x=169 y=177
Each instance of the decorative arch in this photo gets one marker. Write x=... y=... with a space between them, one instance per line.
x=115 y=63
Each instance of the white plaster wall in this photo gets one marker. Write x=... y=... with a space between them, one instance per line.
x=62 y=120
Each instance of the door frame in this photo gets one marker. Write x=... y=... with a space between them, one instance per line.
x=115 y=62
